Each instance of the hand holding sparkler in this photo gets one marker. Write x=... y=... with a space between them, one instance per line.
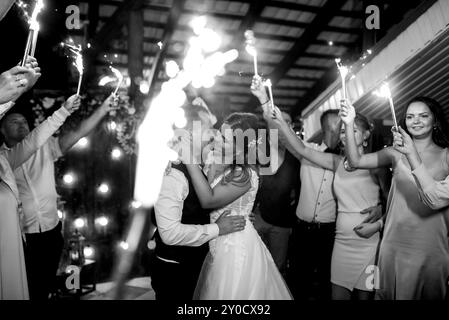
x=403 y=143
x=347 y=112
x=259 y=90
x=110 y=104
x=73 y=103
x=15 y=81
x=251 y=47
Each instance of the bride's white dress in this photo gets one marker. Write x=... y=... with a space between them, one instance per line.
x=239 y=265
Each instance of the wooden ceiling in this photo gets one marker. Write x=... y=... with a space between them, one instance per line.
x=297 y=40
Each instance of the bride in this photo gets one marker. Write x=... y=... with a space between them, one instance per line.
x=238 y=265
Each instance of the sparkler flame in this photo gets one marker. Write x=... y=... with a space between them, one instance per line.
x=251 y=47
x=119 y=76
x=156 y=129
x=77 y=60
x=23 y=7
x=385 y=92
x=37 y=9
x=344 y=71
x=105 y=80
x=78 y=63
x=250 y=42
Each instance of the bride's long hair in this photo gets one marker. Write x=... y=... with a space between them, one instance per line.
x=240 y=172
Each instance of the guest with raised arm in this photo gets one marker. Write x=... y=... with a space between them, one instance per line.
x=414 y=253
x=36 y=183
x=356 y=240
x=13 y=276
x=279 y=191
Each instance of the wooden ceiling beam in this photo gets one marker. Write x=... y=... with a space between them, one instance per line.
x=310 y=34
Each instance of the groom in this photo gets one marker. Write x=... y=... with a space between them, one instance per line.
x=183 y=227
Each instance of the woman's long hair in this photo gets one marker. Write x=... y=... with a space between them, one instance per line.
x=440 y=132
x=240 y=168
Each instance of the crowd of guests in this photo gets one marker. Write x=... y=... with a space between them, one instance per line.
x=31 y=242
x=340 y=220
x=329 y=221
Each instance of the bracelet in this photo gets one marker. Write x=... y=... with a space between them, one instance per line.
x=265 y=102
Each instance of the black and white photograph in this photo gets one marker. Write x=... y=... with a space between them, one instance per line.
x=192 y=152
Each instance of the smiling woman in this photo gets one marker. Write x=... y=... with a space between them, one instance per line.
x=413 y=231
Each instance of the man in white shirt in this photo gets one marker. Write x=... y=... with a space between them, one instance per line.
x=36 y=182
x=183 y=226
x=314 y=232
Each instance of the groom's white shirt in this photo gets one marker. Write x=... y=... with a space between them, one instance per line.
x=168 y=209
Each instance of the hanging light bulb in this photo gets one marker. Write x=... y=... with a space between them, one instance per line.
x=103 y=188
x=69 y=178
x=116 y=153
x=79 y=223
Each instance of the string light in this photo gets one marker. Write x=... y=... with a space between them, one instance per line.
x=103 y=188
x=124 y=245
x=102 y=221
x=88 y=252
x=68 y=178
x=116 y=153
x=79 y=223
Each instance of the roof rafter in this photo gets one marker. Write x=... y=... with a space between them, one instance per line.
x=321 y=19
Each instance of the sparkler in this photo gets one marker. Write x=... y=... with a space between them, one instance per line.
x=119 y=76
x=33 y=32
x=343 y=70
x=385 y=92
x=153 y=136
x=267 y=83
x=78 y=61
x=251 y=47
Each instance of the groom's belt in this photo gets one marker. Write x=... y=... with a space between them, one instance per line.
x=315 y=224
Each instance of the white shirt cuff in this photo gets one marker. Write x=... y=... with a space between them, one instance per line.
x=212 y=230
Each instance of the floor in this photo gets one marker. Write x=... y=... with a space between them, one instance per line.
x=135 y=289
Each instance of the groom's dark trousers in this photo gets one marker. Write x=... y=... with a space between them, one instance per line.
x=176 y=280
